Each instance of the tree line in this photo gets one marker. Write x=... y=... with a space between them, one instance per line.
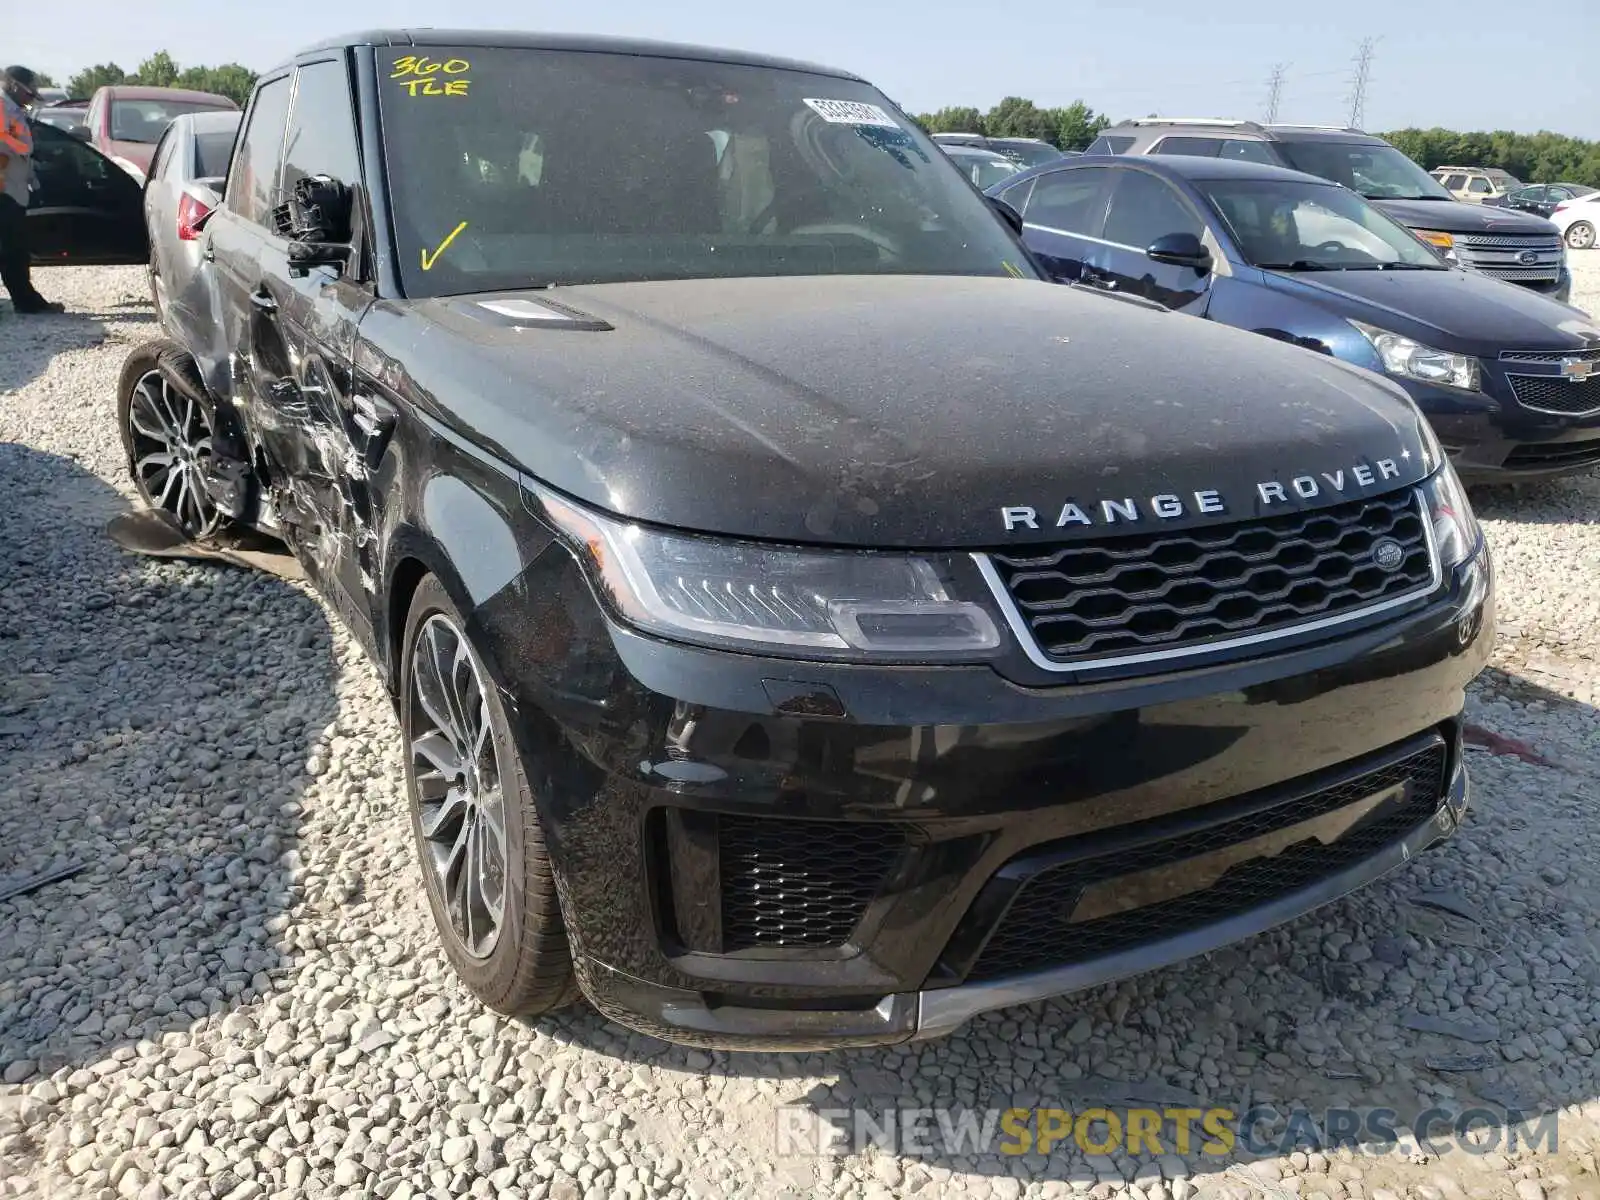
x=1532 y=157
x=159 y=70
x=1069 y=128
x=1542 y=157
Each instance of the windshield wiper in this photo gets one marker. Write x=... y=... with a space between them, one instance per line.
x=1299 y=264
x=1410 y=266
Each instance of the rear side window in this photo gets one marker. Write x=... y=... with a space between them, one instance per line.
x=253 y=185
x=1069 y=201
x=322 y=131
x=1144 y=208
x=1455 y=182
x=1203 y=147
x=161 y=161
x=211 y=154
x=1249 y=151
x=1111 y=144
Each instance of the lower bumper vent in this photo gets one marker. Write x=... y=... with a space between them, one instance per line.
x=800 y=884
x=1088 y=907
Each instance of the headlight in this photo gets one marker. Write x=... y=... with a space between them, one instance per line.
x=1455 y=529
x=1411 y=359
x=857 y=605
x=1441 y=241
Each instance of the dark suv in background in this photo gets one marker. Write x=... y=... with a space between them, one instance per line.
x=1508 y=245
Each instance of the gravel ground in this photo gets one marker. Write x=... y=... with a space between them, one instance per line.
x=240 y=994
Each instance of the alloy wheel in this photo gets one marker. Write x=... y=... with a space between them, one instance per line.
x=1580 y=236
x=456 y=765
x=171 y=439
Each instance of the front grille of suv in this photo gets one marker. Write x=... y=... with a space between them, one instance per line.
x=1037 y=929
x=1183 y=591
x=1500 y=255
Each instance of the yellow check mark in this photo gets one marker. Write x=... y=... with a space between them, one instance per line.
x=429 y=259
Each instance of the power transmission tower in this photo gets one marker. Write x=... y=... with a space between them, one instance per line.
x=1274 y=92
x=1358 y=85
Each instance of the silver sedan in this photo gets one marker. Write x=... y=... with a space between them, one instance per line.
x=187 y=175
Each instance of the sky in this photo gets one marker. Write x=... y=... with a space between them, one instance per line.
x=1462 y=64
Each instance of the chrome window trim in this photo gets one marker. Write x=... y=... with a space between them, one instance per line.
x=1030 y=645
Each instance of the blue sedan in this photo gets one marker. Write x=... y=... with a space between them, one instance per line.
x=1510 y=379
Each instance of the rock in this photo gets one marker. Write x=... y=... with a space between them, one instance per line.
x=1480 y=1032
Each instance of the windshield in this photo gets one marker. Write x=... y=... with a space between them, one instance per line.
x=1026 y=153
x=1377 y=172
x=984 y=170
x=521 y=168
x=1284 y=225
x=146 y=120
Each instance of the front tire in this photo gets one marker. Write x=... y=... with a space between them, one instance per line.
x=1580 y=235
x=479 y=842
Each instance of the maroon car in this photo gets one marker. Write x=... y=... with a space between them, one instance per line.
x=126 y=122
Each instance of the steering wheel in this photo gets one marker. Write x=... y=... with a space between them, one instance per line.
x=881 y=241
x=1333 y=248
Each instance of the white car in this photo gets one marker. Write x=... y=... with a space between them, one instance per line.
x=1578 y=219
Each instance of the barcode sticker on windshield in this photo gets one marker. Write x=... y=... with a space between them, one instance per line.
x=852 y=112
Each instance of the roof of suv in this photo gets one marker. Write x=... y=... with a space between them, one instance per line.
x=1299 y=133
x=581 y=43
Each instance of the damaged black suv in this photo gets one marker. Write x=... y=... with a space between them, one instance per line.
x=807 y=626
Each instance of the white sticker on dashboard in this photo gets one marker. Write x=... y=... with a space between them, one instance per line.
x=852 y=112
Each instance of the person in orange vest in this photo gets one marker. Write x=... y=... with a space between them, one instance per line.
x=18 y=90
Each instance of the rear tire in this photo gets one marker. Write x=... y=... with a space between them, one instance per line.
x=1580 y=235
x=481 y=848
x=167 y=434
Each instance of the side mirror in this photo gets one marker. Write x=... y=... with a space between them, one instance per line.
x=1181 y=250
x=316 y=220
x=81 y=132
x=1006 y=213
x=318 y=210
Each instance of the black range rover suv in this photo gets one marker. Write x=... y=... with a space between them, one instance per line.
x=808 y=627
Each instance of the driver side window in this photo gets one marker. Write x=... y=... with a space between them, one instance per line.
x=253 y=181
x=1144 y=208
x=68 y=171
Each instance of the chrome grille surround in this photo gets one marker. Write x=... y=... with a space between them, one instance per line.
x=1000 y=572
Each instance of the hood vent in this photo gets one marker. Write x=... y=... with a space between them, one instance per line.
x=523 y=313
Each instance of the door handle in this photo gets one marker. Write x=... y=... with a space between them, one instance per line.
x=263 y=301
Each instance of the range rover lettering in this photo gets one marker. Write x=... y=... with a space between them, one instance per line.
x=808 y=626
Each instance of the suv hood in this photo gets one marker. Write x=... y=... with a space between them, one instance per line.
x=895 y=411
x=1451 y=310
x=1453 y=216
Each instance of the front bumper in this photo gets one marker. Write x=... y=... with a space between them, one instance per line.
x=1491 y=438
x=776 y=854
x=685 y=1016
